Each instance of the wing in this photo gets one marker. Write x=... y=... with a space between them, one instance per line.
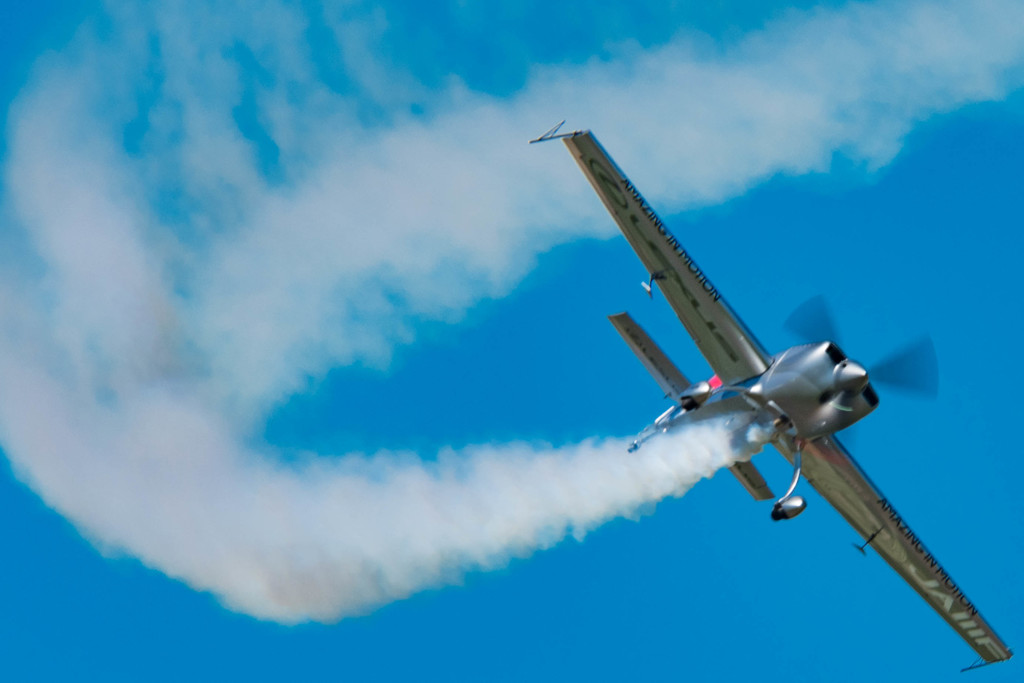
x=729 y=347
x=832 y=471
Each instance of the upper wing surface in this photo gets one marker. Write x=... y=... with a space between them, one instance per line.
x=729 y=347
x=833 y=472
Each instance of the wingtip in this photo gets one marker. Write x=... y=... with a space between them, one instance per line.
x=553 y=134
x=980 y=662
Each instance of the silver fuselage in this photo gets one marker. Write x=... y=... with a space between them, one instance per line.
x=808 y=391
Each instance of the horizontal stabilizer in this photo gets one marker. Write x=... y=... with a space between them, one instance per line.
x=752 y=480
x=665 y=373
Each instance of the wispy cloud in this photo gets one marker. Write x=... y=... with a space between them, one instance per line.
x=206 y=219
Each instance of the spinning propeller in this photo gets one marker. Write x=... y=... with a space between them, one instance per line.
x=913 y=368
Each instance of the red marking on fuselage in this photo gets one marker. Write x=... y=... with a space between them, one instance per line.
x=715 y=382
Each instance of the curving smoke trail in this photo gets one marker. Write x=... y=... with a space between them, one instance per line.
x=326 y=538
x=195 y=223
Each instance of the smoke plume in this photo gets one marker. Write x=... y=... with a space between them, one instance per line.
x=325 y=538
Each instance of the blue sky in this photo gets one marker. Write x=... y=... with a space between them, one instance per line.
x=241 y=246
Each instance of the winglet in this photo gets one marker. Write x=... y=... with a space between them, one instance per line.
x=553 y=133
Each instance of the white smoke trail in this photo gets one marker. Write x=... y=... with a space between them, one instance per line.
x=326 y=538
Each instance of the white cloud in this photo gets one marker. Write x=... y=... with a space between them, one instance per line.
x=184 y=289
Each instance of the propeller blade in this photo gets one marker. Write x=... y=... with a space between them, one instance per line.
x=914 y=368
x=812 y=321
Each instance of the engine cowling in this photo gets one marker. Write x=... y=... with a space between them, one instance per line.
x=816 y=388
x=789 y=508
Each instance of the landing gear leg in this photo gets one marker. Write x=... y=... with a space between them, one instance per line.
x=789 y=506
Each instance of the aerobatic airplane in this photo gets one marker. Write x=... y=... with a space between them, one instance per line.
x=804 y=395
